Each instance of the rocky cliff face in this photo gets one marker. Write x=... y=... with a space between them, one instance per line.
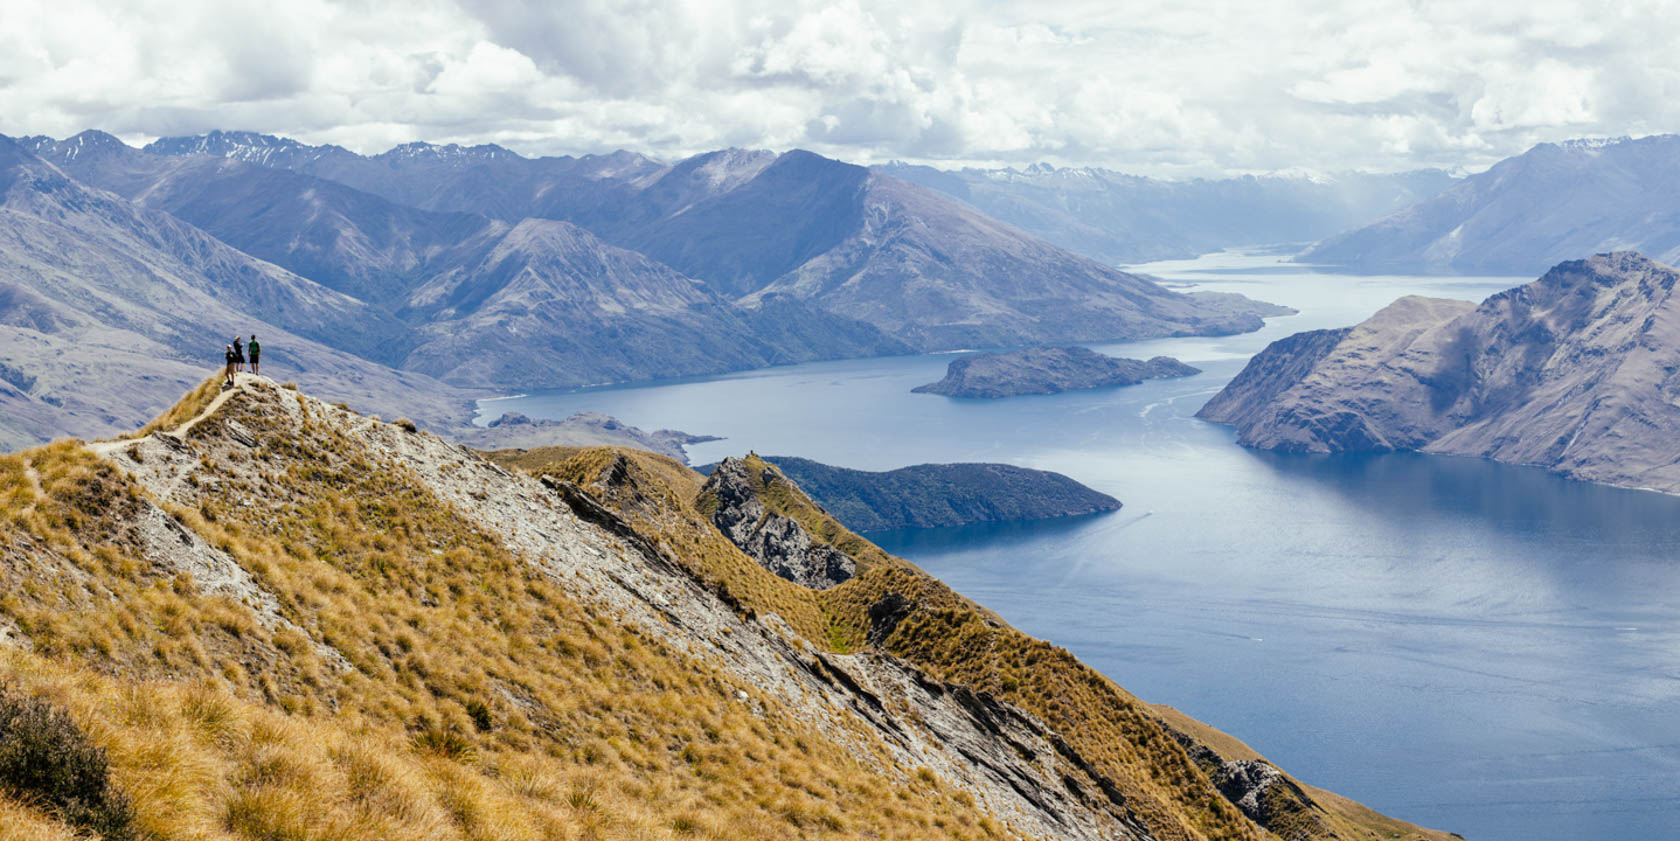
x=1047 y=370
x=1574 y=372
x=776 y=541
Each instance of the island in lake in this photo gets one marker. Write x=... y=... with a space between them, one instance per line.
x=933 y=495
x=1047 y=370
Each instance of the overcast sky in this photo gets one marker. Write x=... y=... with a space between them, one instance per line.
x=1170 y=88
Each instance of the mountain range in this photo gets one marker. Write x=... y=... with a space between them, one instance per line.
x=1575 y=372
x=1121 y=219
x=1555 y=202
x=475 y=270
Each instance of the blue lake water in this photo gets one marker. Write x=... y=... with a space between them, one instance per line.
x=1474 y=647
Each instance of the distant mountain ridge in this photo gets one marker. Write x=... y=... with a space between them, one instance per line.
x=472 y=300
x=107 y=307
x=1575 y=372
x=1122 y=219
x=1552 y=203
x=928 y=270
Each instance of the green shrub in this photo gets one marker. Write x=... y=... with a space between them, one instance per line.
x=46 y=758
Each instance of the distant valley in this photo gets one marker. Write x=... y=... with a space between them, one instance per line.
x=1121 y=218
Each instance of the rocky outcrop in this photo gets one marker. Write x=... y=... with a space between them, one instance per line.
x=1263 y=792
x=777 y=542
x=940 y=495
x=1577 y=372
x=1047 y=370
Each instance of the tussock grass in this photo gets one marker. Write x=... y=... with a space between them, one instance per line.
x=420 y=681
x=944 y=633
x=188 y=408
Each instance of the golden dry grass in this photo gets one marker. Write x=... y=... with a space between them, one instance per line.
x=475 y=699
x=946 y=634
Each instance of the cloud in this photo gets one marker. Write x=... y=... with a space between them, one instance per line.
x=1194 y=87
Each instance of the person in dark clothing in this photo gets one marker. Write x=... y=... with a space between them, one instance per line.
x=238 y=354
x=256 y=353
x=230 y=363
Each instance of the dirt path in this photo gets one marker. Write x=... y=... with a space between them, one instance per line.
x=108 y=449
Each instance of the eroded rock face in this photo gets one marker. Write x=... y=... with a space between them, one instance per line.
x=1577 y=372
x=1263 y=792
x=778 y=543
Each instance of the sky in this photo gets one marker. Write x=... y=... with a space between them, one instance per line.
x=1175 y=89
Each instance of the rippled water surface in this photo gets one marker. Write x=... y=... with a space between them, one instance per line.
x=1471 y=646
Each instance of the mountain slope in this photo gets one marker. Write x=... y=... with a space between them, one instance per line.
x=111 y=310
x=1549 y=204
x=340 y=237
x=927 y=269
x=487 y=304
x=942 y=275
x=1119 y=218
x=403 y=640
x=1574 y=372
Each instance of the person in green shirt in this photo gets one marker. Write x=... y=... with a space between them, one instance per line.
x=255 y=351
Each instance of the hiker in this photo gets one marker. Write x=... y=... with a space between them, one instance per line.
x=230 y=363
x=256 y=353
x=238 y=354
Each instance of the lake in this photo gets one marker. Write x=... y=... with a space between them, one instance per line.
x=1470 y=646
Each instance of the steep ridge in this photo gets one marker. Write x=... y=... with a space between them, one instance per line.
x=890 y=611
x=1119 y=218
x=1552 y=203
x=1574 y=372
x=926 y=268
x=283 y=619
x=108 y=311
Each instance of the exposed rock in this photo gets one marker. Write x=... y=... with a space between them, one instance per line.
x=1047 y=370
x=1577 y=372
x=1263 y=792
x=937 y=495
x=777 y=542
x=580 y=429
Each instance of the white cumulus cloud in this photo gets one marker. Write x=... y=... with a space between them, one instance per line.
x=1191 y=87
